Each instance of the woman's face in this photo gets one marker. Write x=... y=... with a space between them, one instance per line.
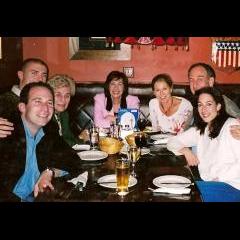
x=162 y=91
x=116 y=88
x=207 y=107
x=62 y=98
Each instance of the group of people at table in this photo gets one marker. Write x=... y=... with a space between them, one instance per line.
x=36 y=139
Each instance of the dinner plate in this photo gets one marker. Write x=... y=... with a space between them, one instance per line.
x=144 y=151
x=112 y=178
x=92 y=155
x=81 y=147
x=170 y=180
x=161 y=136
x=151 y=131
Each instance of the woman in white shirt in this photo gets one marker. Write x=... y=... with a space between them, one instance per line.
x=218 y=153
x=168 y=113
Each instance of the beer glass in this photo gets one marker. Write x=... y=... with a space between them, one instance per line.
x=122 y=175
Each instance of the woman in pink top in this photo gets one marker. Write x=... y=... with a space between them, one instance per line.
x=115 y=96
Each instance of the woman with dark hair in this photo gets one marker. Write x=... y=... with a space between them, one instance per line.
x=218 y=153
x=168 y=113
x=115 y=96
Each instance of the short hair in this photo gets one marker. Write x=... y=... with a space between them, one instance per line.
x=27 y=61
x=111 y=76
x=62 y=80
x=210 y=71
x=219 y=120
x=24 y=95
x=164 y=77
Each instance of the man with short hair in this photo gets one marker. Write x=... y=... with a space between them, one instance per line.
x=203 y=75
x=32 y=70
x=31 y=154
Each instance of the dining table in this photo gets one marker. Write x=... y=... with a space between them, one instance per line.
x=154 y=163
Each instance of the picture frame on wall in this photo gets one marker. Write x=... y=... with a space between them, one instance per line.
x=78 y=52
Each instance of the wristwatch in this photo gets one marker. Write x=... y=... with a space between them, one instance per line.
x=52 y=170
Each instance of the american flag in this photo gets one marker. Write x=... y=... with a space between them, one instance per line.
x=226 y=54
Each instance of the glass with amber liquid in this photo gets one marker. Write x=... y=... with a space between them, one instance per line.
x=122 y=175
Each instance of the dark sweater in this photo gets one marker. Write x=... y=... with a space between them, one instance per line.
x=52 y=151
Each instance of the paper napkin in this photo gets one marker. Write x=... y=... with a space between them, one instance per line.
x=173 y=190
x=81 y=147
x=80 y=178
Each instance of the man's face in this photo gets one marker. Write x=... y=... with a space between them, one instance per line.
x=198 y=78
x=39 y=109
x=33 y=72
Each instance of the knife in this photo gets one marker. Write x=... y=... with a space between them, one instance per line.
x=176 y=183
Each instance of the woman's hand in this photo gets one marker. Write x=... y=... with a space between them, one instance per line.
x=111 y=118
x=6 y=128
x=191 y=158
x=235 y=131
x=43 y=182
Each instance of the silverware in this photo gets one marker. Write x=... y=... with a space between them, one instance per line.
x=176 y=183
x=106 y=182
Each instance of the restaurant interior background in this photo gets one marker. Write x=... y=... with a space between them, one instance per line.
x=145 y=61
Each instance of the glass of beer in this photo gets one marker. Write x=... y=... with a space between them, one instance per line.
x=122 y=174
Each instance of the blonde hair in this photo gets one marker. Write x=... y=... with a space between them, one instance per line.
x=62 y=80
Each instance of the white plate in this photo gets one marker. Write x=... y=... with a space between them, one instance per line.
x=112 y=178
x=144 y=151
x=159 y=181
x=81 y=147
x=150 y=131
x=160 y=136
x=92 y=155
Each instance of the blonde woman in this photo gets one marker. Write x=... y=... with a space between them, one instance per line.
x=64 y=87
x=168 y=113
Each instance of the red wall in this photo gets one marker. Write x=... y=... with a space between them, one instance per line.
x=146 y=63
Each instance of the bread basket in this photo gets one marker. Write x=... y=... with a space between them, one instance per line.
x=110 y=145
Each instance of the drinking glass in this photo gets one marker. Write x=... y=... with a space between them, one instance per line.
x=122 y=175
x=134 y=155
x=94 y=137
x=142 y=123
x=140 y=140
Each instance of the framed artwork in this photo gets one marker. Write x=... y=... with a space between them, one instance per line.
x=97 y=48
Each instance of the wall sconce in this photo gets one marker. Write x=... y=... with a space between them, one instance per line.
x=129 y=71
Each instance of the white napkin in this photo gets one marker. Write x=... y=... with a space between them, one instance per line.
x=80 y=178
x=161 y=141
x=81 y=147
x=173 y=190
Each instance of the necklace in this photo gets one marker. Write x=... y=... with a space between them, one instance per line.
x=168 y=109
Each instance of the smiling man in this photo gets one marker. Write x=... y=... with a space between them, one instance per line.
x=34 y=150
x=202 y=75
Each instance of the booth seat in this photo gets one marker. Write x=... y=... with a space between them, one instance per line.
x=81 y=105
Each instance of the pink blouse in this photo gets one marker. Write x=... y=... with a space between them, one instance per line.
x=100 y=112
